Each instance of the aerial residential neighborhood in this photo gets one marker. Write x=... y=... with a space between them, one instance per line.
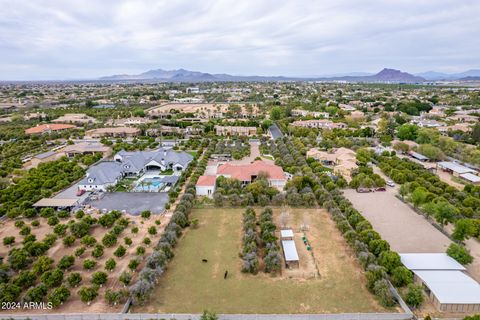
x=376 y=202
x=185 y=160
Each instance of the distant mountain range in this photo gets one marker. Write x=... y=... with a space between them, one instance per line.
x=386 y=75
x=467 y=75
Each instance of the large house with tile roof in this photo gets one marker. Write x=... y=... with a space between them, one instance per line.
x=49 y=128
x=245 y=173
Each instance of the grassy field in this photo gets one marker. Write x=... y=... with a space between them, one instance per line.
x=191 y=286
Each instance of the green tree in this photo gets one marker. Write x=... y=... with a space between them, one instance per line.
x=58 y=296
x=476 y=133
x=66 y=262
x=52 y=278
x=444 y=212
x=8 y=241
x=401 y=276
x=407 y=132
x=110 y=264
x=120 y=251
x=207 y=315
x=89 y=264
x=74 y=279
x=99 y=278
x=459 y=253
x=88 y=294
x=276 y=113
x=419 y=196
x=389 y=260
x=432 y=152
x=414 y=295
x=464 y=229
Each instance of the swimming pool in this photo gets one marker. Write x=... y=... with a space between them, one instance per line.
x=149 y=185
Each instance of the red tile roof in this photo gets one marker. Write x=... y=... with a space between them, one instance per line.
x=48 y=127
x=245 y=172
x=206 y=181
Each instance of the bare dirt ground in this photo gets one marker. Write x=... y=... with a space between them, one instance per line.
x=74 y=304
x=308 y=267
x=197 y=108
x=405 y=230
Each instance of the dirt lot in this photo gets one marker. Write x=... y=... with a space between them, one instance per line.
x=405 y=230
x=196 y=108
x=73 y=304
x=191 y=286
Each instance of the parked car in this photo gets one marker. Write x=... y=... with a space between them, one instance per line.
x=364 y=190
x=390 y=183
x=380 y=189
x=80 y=192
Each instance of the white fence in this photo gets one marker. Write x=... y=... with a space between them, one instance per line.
x=183 y=316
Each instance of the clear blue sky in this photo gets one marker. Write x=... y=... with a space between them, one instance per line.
x=91 y=38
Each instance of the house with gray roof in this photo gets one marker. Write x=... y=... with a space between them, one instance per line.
x=137 y=163
x=102 y=175
x=134 y=164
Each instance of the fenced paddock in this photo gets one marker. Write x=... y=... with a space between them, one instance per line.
x=190 y=285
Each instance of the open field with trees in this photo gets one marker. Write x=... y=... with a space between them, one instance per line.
x=218 y=239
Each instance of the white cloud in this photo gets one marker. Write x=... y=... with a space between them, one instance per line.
x=75 y=39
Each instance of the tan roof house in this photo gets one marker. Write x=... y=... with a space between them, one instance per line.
x=342 y=160
x=116 y=132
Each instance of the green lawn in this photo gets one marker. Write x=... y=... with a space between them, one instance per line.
x=191 y=286
x=193 y=153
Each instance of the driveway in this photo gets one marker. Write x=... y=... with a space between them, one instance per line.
x=132 y=202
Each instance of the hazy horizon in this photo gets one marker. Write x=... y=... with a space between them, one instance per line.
x=56 y=40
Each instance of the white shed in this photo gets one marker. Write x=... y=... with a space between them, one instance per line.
x=290 y=253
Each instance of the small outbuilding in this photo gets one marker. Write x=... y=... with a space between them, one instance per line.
x=418 y=156
x=454 y=168
x=470 y=177
x=286 y=234
x=206 y=186
x=290 y=253
x=56 y=203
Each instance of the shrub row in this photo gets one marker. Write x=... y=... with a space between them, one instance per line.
x=271 y=255
x=249 y=251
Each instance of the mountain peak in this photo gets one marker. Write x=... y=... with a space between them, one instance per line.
x=394 y=75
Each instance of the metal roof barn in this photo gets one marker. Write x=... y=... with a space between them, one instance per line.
x=429 y=261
